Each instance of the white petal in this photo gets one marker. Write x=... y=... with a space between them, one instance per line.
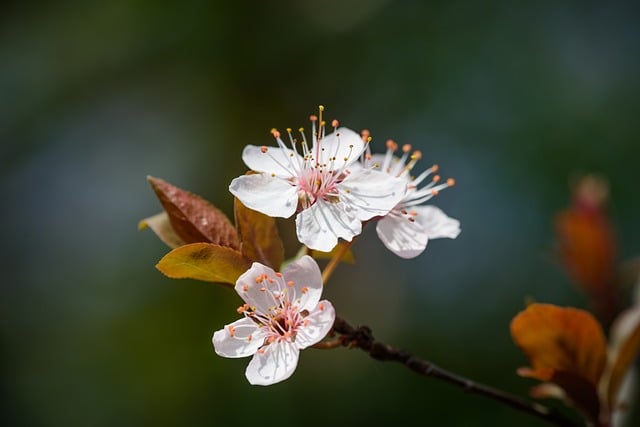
x=437 y=223
x=320 y=322
x=404 y=238
x=255 y=294
x=342 y=144
x=239 y=345
x=307 y=282
x=276 y=363
x=370 y=193
x=278 y=161
x=264 y=193
x=320 y=226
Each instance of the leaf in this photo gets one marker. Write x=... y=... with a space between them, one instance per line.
x=160 y=225
x=194 y=219
x=259 y=236
x=565 y=346
x=624 y=349
x=204 y=261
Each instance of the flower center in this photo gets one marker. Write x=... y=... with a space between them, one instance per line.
x=315 y=172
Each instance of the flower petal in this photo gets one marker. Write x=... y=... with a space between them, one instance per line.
x=316 y=325
x=436 y=223
x=307 y=282
x=281 y=162
x=369 y=193
x=405 y=238
x=252 y=290
x=264 y=193
x=244 y=341
x=276 y=363
x=319 y=226
x=340 y=148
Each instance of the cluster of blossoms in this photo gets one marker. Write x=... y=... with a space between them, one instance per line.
x=333 y=192
x=334 y=185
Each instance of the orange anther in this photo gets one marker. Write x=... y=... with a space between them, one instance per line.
x=313 y=117
x=406 y=148
x=334 y=123
x=391 y=145
x=451 y=182
x=290 y=283
x=304 y=289
x=417 y=155
x=435 y=168
x=264 y=149
x=434 y=192
x=436 y=178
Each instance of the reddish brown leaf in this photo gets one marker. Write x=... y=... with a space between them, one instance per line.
x=160 y=225
x=194 y=219
x=259 y=236
x=565 y=346
x=204 y=261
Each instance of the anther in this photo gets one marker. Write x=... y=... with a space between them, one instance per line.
x=313 y=117
x=434 y=192
x=406 y=148
x=391 y=145
x=436 y=178
x=232 y=330
x=417 y=155
x=278 y=274
x=290 y=283
x=304 y=290
x=321 y=107
x=245 y=288
x=451 y=182
x=334 y=123
x=264 y=149
x=435 y=168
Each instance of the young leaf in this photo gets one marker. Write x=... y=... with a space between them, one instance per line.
x=194 y=219
x=565 y=346
x=259 y=235
x=160 y=225
x=204 y=261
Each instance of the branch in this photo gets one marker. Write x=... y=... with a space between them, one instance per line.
x=363 y=339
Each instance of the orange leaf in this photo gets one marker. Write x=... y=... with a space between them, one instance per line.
x=160 y=225
x=259 y=235
x=194 y=219
x=565 y=346
x=204 y=261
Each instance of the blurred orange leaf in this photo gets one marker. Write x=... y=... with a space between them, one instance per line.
x=565 y=346
x=204 y=261
x=259 y=235
x=194 y=219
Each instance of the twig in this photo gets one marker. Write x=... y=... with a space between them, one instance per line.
x=363 y=339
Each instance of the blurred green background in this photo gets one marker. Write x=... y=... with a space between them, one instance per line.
x=510 y=99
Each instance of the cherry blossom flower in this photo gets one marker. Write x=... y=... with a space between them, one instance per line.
x=331 y=199
x=282 y=313
x=407 y=228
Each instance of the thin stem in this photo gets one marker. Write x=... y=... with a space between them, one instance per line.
x=363 y=339
x=333 y=263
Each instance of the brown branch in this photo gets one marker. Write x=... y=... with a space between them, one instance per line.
x=363 y=339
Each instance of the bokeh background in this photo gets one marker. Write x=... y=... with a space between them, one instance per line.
x=513 y=100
